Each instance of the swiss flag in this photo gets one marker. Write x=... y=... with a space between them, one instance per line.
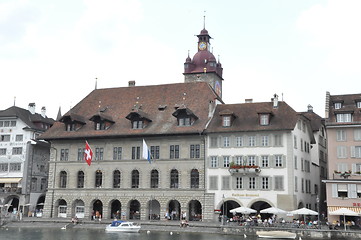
x=88 y=153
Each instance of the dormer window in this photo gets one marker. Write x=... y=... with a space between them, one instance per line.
x=264 y=119
x=338 y=105
x=227 y=117
x=226 y=121
x=185 y=116
x=138 y=119
x=358 y=104
x=343 y=117
x=72 y=122
x=101 y=121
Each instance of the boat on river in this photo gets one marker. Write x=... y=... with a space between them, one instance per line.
x=122 y=226
x=276 y=234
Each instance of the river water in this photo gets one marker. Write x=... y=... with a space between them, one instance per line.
x=100 y=234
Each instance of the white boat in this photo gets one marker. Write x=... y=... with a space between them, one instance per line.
x=276 y=234
x=122 y=226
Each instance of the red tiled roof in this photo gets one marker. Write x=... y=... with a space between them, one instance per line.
x=119 y=102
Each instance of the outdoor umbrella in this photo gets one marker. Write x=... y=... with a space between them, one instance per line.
x=273 y=210
x=304 y=211
x=344 y=212
x=243 y=210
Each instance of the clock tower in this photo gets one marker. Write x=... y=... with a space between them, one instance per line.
x=204 y=66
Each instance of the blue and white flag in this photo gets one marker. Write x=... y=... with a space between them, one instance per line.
x=146 y=152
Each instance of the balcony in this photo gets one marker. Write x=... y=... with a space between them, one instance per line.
x=346 y=175
x=244 y=169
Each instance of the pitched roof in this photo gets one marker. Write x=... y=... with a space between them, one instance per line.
x=119 y=102
x=247 y=117
x=315 y=119
x=348 y=106
x=27 y=117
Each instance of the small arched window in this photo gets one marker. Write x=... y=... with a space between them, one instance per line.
x=116 y=179
x=63 y=179
x=98 y=179
x=194 y=178
x=135 y=179
x=80 y=179
x=154 y=179
x=174 y=178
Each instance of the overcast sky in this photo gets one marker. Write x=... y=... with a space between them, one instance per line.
x=51 y=52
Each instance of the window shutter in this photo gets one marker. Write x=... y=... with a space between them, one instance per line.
x=270 y=140
x=353 y=151
x=334 y=191
x=354 y=168
x=284 y=161
x=352 y=192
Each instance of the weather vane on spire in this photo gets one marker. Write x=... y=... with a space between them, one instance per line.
x=204 y=20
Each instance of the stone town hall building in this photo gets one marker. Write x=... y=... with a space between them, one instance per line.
x=171 y=118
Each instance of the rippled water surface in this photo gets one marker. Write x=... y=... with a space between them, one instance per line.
x=99 y=234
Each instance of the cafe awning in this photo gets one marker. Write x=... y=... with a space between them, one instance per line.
x=10 y=180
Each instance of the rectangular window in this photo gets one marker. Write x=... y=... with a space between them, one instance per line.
x=64 y=154
x=264 y=141
x=117 y=153
x=2 y=151
x=251 y=141
x=264 y=119
x=340 y=135
x=338 y=105
x=341 y=152
x=226 y=121
x=357 y=134
x=225 y=182
x=6 y=123
x=135 y=152
x=4 y=167
x=252 y=183
x=356 y=151
x=358 y=104
x=81 y=154
x=296 y=162
x=278 y=182
x=344 y=117
x=278 y=140
x=213 y=182
x=265 y=161
x=99 y=152
x=19 y=138
x=296 y=184
x=251 y=160
x=154 y=152
x=4 y=138
x=174 y=151
x=214 y=142
x=239 y=160
x=239 y=141
x=226 y=161
x=185 y=121
x=295 y=142
x=265 y=183
x=278 y=161
x=225 y=141
x=214 y=162
x=195 y=151
x=239 y=182
x=15 y=167
x=17 y=150
x=303 y=185
x=137 y=124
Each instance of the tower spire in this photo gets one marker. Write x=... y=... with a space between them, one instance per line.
x=204 y=20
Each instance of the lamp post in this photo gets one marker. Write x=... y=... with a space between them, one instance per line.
x=318 y=211
x=222 y=220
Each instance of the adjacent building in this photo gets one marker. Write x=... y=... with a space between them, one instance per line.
x=23 y=159
x=259 y=155
x=343 y=125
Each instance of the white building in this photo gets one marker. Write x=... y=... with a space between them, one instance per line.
x=23 y=160
x=259 y=156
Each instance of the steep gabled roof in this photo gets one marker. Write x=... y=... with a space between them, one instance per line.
x=119 y=102
x=27 y=117
x=247 y=117
x=315 y=119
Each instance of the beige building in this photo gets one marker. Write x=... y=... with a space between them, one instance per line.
x=343 y=124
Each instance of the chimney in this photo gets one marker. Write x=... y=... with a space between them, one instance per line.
x=275 y=101
x=248 y=100
x=327 y=105
x=31 y=108
x=131 y=83
x=43 y=112
x=309 y=108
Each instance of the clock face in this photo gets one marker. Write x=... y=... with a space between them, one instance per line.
x=202 y=46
